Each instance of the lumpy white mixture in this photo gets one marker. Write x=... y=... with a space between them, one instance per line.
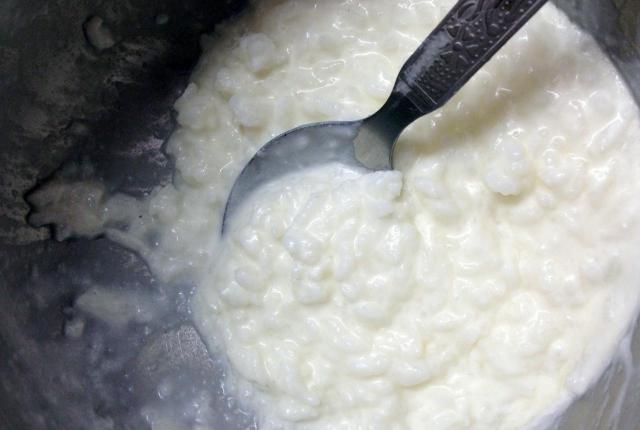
x=482 y=285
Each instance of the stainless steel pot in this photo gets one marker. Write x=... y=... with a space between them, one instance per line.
x=109 y=102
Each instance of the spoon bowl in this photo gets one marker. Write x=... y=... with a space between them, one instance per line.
x=296 y=149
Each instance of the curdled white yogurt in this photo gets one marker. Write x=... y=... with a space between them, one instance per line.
x=483 y=285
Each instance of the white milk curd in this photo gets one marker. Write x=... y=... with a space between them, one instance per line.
x=483 y=285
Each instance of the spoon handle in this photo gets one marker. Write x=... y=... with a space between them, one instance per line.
x=463 y=42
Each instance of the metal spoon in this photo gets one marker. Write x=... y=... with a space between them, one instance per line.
x=464 y=40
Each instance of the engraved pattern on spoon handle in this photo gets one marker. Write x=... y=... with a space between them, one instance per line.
x=463 y=42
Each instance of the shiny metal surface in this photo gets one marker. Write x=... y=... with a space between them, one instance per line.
x=63 y=99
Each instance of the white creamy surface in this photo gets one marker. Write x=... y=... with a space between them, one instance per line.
x=482 y=285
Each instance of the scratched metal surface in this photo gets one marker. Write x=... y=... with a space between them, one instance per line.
x=64 y=100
